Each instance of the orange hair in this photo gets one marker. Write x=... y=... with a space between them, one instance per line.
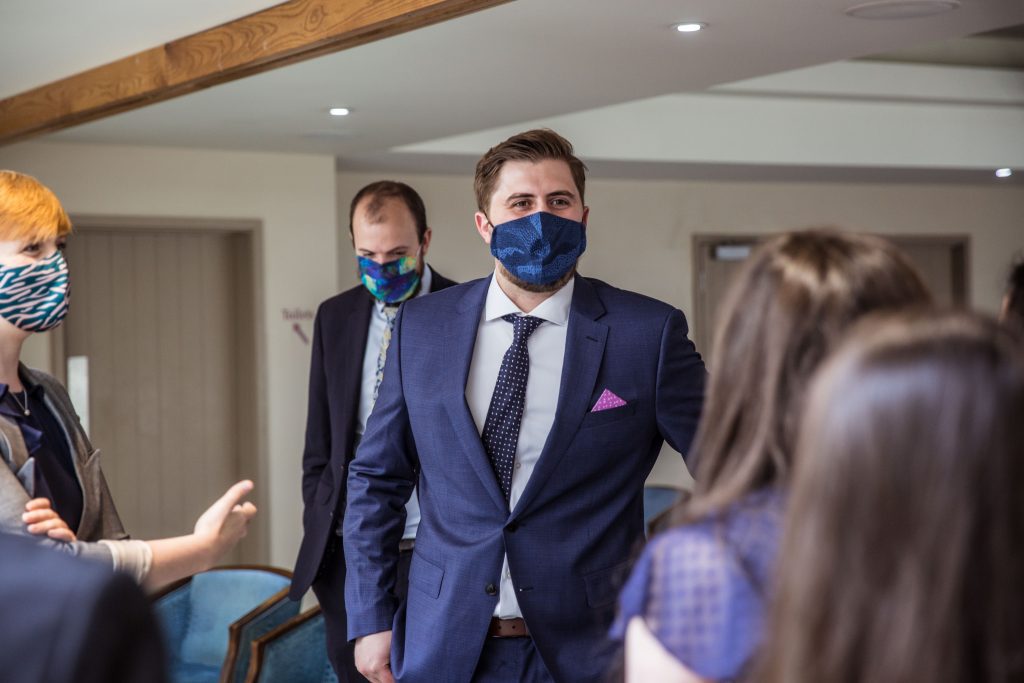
x=29 y=210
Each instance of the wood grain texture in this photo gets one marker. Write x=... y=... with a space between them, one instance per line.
x=284 y=34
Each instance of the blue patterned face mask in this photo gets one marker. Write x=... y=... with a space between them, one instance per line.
x=540 y=248
x=391 y=282
x=34 y=297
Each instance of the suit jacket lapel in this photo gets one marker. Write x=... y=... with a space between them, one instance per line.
x=584 y=349
x=459 y=343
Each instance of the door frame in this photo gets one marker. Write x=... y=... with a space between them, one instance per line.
x=702 y=318
x=257 y=545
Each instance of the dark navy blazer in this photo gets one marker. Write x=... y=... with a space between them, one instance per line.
x=335 y=378
x=569 y=539
x=72 y=620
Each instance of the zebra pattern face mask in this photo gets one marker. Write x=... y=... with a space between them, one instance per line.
x=34 y=297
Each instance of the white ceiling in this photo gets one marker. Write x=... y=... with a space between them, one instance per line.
x=590 y=66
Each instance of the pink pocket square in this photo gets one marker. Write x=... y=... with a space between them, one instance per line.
x=607 y=401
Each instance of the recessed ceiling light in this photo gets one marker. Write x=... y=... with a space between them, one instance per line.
x=901 y=9
x=690 y=27
x=339 y=111
x=1004 y=172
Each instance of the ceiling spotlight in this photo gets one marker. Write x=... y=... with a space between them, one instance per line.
x=901 y=9
x=1004 y=172
x=690 y=27
x=339 y=111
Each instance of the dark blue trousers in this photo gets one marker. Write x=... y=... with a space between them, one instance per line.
x=510 y=660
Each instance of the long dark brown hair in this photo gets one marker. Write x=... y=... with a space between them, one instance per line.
x=904 y=546
x=789 y=306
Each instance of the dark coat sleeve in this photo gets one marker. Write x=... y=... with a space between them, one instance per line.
x=680 y=388
x=317 y=451
x=380 y=481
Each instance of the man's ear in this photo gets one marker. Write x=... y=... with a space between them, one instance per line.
x=586 y=215
x=425 y=244
x=483 y=226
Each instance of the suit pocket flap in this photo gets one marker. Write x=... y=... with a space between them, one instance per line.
x=425 y=576
x=603 y=585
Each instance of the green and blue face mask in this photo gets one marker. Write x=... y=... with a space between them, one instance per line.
x=540 y=248
x=391 y=282
x=34 y=297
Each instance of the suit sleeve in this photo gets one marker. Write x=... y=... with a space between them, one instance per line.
x=317 y=451
x=380 y=481
x=680 y=389
x=13 y=498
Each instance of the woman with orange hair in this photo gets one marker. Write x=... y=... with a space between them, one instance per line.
x=51 y=484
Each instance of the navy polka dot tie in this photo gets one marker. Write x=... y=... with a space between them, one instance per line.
x=505 y=414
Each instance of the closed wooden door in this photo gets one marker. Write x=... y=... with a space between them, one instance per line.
x=159 y=318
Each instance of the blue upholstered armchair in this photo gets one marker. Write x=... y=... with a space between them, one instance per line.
x=295 y=651
x=210 y=619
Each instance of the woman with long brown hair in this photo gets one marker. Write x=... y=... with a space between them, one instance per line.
x=692 y=609
x=904 y=542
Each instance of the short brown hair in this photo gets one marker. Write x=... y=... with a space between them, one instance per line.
x=29 y=210
x=533 y=145
x=391 y=189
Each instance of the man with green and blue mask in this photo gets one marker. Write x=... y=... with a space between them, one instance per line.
x=351 y=337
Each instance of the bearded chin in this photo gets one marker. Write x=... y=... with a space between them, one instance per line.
x=535 y=288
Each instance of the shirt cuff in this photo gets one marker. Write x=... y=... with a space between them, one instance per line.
x=135 y=558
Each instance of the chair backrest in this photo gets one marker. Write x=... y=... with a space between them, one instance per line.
x=197 y=615
x=657 y=500
x=295 y=651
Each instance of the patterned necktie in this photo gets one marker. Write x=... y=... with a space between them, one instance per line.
x=505 y=414
x=390 y=311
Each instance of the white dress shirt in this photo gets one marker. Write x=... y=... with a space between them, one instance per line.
x=547 y=353
x=374 y=337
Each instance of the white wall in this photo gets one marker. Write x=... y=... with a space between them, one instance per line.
x=641 y=232
x=292 y=196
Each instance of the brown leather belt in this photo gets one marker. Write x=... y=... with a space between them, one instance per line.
x=507 y=628
x=406 y=544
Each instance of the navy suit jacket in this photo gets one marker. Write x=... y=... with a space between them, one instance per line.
x=72 y=620
x=570 y=538
x=335 y=377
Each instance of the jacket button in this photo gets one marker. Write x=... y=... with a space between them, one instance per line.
x=491 y=589
x=512 y=526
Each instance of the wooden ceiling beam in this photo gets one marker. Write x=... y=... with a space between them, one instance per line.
x=280 y=35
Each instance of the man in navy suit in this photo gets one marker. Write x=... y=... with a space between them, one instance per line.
x=388 y=226
x=70 y=620
x=527 y=408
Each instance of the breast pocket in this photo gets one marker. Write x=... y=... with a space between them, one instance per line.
x=603 y=417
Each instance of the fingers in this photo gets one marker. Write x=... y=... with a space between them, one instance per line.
x=373 y=657
x=38 y=504
x=226 y=503
x=37 y=516
x=246 y=509
x=46 y=526
x=63 y=534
